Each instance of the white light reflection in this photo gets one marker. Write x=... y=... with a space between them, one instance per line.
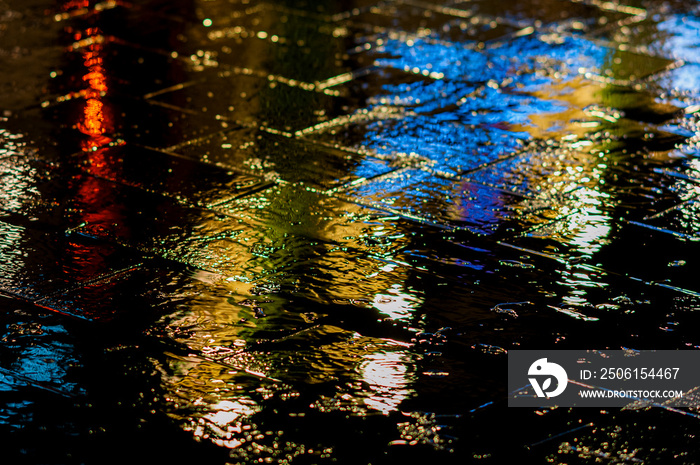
x=17 y=174
x=397 y=304
x=388 y=379
x=224 y=424
x=584 y=226
x=225 y=412
x=387 y=373
x=590 y=227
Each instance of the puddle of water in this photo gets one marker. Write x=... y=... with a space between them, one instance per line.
x=272 y=232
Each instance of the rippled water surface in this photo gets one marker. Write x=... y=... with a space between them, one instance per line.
x=310 y=232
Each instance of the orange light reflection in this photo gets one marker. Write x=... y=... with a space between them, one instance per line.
x=96 y=120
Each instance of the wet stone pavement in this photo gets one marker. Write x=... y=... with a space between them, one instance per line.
x=288 y=232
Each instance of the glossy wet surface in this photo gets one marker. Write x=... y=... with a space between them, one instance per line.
x=286 y=232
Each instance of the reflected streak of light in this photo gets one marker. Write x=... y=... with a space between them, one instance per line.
x=690 y=195
x=212 y=408
x=226 y=412
x=93 y=124
x=588 y=230
x=589 y=227
x=76 y=4
x=592 y=236
x=96 y=121
x=388 y=378
x=397 y=304
x=13 y=187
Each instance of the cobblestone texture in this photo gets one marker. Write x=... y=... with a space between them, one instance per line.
x=269 y=217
